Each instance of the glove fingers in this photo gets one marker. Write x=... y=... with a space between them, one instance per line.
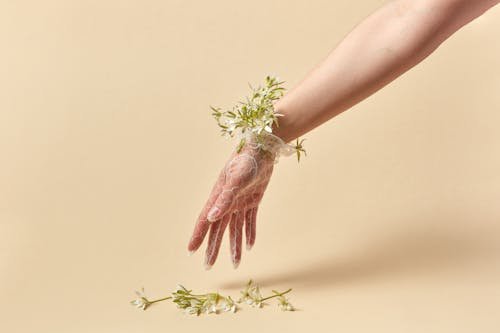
x=214 y=240
x=199 y=233
x=235 y=237
x=250 y=226
x=202 y=223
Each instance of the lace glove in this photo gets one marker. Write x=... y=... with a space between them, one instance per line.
x=235 y=197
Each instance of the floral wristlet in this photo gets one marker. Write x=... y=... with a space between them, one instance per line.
x=252 y=121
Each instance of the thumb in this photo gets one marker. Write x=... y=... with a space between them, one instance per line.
x=222 y=205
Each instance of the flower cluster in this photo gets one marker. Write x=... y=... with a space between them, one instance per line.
x=251 y=295
x=254 y=117
x=195 y=304
x=205 y=303
x=256 y=114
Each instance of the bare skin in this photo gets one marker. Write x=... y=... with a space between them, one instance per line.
x=383 y=46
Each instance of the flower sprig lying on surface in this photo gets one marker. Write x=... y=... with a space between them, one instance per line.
x=255 y=116
x=142 y=302
x=190 y=303
x=252 y=296
x=196 y=304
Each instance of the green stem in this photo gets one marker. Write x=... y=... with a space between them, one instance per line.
x=204 y=295
x=276 y=295
x=159 y=300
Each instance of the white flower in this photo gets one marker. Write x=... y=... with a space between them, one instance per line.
x=228 y=305
x=284 y=305
x=209 y=305
x=192 y=310
x=231 y=127
x=210 y=309
x=141 y=302
x=251 y=295
x=255 y=303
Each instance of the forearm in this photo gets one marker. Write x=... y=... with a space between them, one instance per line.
x=382 y=47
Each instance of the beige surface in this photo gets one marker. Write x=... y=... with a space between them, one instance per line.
x=108 y=151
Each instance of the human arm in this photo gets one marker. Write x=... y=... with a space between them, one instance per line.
x=386 y=44
x=382 y=47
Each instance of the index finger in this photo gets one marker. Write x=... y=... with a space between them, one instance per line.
x=202 y=223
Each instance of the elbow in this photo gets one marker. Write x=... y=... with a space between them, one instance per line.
x=454 y=14
x=465 y=8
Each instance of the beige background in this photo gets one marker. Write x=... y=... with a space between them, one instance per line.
x=108 y=151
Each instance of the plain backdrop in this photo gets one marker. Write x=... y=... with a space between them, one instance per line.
x=108 y=151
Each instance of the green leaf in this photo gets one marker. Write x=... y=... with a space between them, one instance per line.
x=241 y=144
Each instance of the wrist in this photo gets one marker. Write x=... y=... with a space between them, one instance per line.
x=254 y=123
x=283 y=129
x=265 y=145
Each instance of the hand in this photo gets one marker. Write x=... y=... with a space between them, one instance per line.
x=234 y=200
